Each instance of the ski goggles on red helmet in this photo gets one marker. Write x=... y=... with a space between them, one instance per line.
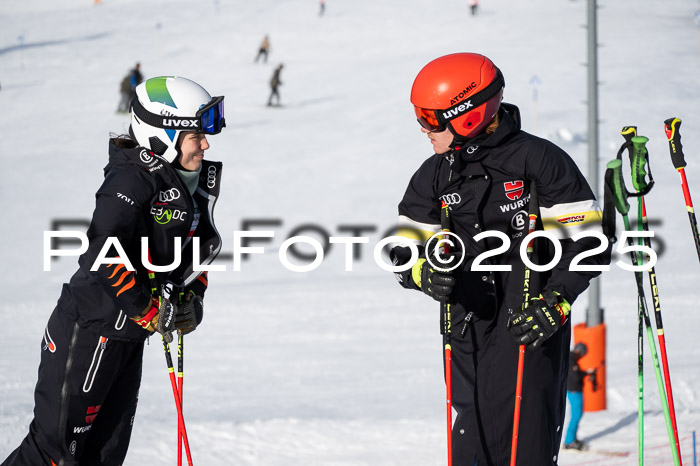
x=428 y=120
x=209 y=119
x=436 y=121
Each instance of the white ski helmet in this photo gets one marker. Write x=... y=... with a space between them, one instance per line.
x=167 y=105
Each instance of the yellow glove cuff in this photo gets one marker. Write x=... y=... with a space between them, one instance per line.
x=416 y=271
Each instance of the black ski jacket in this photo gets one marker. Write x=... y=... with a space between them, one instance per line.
x=141 y=199
x=486 y=184
x=574 y=382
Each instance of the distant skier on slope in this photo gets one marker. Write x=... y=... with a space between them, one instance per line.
x=127 y=87
x=275 y=83
x=574 y=393
x=264 y=49
x=484 y=168
x=158 y=188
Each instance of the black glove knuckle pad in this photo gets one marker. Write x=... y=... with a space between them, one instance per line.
x=534 y=324
x=189 y=315
x=438 y=285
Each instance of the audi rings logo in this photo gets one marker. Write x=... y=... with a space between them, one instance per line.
x=451 y=199
x=169 y=195
x=211 y=177
x=145 y=157
x=442 y=239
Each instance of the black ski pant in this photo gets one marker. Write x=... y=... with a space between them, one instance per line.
x=85 y=398
x=263 y=53
x=274 y=93
x=483 y=394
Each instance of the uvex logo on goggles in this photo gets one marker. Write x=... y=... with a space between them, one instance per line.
x=185 y=123
x=457 y=110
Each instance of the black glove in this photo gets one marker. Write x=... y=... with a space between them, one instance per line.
x=159 y=316
x=594 y=380
x=539 y=320
x=438 y=285
x=189 y=314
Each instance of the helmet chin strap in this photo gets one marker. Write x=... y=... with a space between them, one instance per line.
x=458 y=141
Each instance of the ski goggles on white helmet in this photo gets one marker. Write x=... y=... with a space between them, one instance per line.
x=209 y=119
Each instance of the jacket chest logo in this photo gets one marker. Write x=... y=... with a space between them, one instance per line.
x=169 y=195
x=163 y=215
x=451 y=199
x=514 y=189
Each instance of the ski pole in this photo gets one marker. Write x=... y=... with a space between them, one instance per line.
x=533 y=213
x=447 y=337
x=672 y=127
x=178 y=406
x=613 y=177
x=640 y=157
x=180 y=374
x=182 y=431
x=621 y=194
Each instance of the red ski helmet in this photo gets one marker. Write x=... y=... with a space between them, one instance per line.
x=461 y=91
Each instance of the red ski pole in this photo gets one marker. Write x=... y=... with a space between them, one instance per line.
x=662 y=341
x=447 y=330
x=182 y=431
x=178 y=405
x=534 y=209
x=672 y=127
x=180 y=372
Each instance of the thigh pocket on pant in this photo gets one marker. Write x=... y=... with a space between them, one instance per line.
x=95 y=364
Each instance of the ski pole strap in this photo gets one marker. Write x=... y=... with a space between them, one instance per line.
x=628 y=132
x=672 y=127
x=639 y=159
x=618 y=183
x=609 y=214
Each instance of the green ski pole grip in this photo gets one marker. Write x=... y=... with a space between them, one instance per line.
x=619 y=190
x=638 y=159
x=672 y=127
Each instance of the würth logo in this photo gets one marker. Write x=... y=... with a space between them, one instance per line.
x=514 y=189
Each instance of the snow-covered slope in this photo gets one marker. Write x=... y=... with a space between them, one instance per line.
x=328 y=367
